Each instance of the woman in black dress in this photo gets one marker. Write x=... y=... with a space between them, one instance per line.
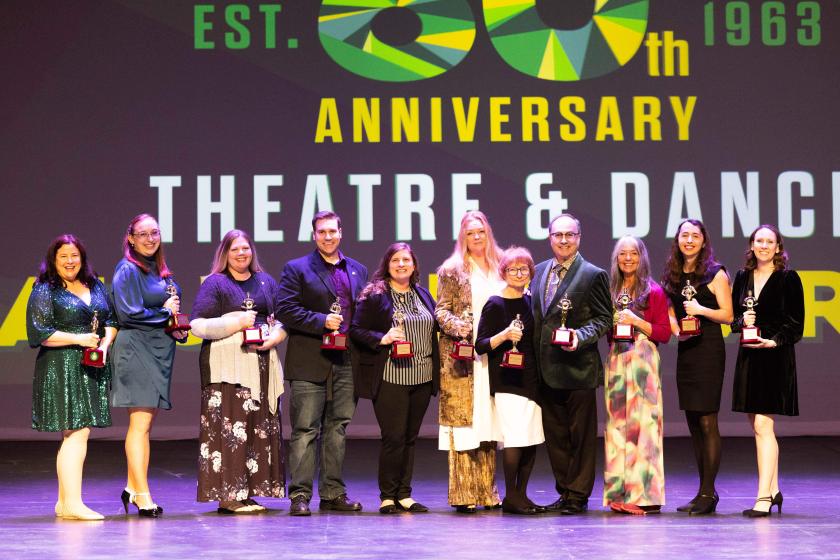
x=765 y=373
x=701 y=357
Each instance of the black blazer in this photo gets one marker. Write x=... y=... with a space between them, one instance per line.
x=305 y=294
x=588 y=288
x=372 y=319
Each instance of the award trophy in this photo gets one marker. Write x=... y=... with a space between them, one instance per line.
x=563 y=336
x=689 y=325
x=623 y=331
x=255 y=334
x=94 y=357
x=463 y=349
x=750 y=334
x=401 y=348
x=334 y=340
x=514 y=359
x=177 y=321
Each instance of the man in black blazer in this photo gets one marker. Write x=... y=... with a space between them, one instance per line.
x=321 y=381
x=570 y=374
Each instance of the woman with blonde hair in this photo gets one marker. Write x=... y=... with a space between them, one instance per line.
x=468 y=428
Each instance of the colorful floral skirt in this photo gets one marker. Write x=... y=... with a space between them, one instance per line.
x=241 y=444
x=634 y=466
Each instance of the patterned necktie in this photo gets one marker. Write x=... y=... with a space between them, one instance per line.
x=558 y=272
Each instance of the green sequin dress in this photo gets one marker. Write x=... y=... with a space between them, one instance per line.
x=67 y=395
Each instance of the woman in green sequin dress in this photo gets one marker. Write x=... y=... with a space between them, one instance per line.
x=67 y=396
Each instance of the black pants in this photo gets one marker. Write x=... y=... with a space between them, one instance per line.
x=570 y=423
x=399 y=411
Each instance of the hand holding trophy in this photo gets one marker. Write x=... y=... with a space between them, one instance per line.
x=623 y=331
x=689 y=325
x=563 y=336
x=334 y=340
x=94 y=357
x=750 y=333
x=513 y=358
x=401 y=348
x=177 y=321
x=464 y=349
x=253 y=334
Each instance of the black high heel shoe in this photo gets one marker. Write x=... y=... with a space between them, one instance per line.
x=757 y=512
x=777 y=501
x=685 y=508
x=129 y=497
x=705 y=504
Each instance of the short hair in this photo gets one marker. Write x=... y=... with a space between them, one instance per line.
x=515 y=254
x=565 y=215
x=220 y=258
x=325 y=215
x=48 y=274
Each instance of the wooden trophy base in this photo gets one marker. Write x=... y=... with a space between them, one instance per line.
x=463 y=351
x=178 y=322
x=93 y=357
x=689 y=326
x=402 y=349
x=513 y=360
x=562 y=337
x=623 y=332
x=334 y=341
x=750 y=335
x=254 y=335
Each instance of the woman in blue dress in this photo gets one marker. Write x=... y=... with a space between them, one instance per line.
x=67 y=302
x=144 y=352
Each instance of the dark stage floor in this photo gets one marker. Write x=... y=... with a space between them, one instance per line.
x=809 y=526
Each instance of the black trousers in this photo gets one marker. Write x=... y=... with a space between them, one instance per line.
x=399 y=411
x=570 y=423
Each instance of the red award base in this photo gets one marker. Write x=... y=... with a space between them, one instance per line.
x=562 y=337
x=463 y=351
x=750 y=335
x=334 y=341
x=402 y=349
x=93 y=357
x=254 y=335
x=623 y=332
x=689 y=326
x=513 y=360
x=178 y=322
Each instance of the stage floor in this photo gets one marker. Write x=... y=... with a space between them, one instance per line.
x=809 y=526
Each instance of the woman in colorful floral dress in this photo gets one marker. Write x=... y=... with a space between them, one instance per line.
x=240 y=434
x=634 y=480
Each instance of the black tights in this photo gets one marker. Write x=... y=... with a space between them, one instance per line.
x=706 y=440
x=518 y=463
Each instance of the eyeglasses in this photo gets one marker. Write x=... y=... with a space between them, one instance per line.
x=144 y=235
x=522 y=270
x=563 y=235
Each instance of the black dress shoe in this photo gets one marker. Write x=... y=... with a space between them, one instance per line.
x=416 y=507
x=300 y=506
x=685 y=508
x=705 y=504
x=509 y=507
x=388 y=508
x=537 y=507
x=557 y=505
x=342 y=503
x=466 y=509
x=574 y=507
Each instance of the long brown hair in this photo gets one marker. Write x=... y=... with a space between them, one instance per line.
x=674 y=265
x=220 y=257
x=135 y=258
x=48 y=274
x=780 y=259
x=379 y=282
x=457 y=262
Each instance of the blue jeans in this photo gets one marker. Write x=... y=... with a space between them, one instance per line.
x=312 y=414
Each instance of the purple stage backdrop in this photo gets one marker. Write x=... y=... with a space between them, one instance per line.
x=630 y=114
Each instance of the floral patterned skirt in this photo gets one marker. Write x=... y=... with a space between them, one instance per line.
x=241 y=444
x=634 y=467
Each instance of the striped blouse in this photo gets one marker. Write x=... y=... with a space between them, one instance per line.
x=419 y=328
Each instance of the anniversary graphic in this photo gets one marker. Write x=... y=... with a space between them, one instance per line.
x=401 y=115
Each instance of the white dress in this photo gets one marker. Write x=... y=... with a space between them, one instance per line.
x=485 y=426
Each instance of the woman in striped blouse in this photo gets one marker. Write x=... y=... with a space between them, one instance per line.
x=400 y=387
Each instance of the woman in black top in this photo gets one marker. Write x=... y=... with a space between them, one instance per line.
x=400 y=387
x=514 y=388
x=765 y=373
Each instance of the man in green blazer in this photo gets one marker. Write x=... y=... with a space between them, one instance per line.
x=570 y=373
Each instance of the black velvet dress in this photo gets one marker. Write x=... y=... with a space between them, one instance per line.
x=701 y=359
x=765 y=378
